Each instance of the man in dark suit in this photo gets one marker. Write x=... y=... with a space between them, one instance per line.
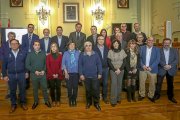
x=78 y=37
x=46 y=41
x=149 y=58
x=60 y=39
x=138 y=31
x=29 y=38
x=102 y=51
x=167 y=67
x=27 y=44
x=6 y=47
x=93 y=37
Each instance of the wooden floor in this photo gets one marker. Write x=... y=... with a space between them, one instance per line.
x=141 y=110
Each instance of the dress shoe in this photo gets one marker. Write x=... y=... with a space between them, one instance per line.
x=173 y=100
x=24 y=107
x=54 y=104
x=97 y=107
x=106 y=101
x=47 y=103
x=70 y=103
x=74 y=103
x=88 y=106
x=113 y=105
x=13 y=108
x=140 y=98
x=119 y=102
x=156 y=97
x=58 y=104
x=151 y=99
x=34 y=105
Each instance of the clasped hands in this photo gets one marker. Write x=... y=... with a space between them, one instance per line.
x=39 y=73
x=167 y=67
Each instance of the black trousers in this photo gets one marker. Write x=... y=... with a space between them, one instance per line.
x=55 y=89
x=170 y=87
x=92 y=86
x=72 y=86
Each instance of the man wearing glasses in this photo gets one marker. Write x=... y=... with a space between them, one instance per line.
x=14 y=73
x=90 y=71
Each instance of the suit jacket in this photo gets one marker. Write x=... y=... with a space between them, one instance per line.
x=154 y=59
x=43 y=45
x=90 y=38
x=105 y=55
x=5 y=49
x=64 y=43
x=79 y=43
x=25 y=42
x=173 y=61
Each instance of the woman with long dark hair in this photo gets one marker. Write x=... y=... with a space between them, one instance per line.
x=107 y=39
x=116 y=61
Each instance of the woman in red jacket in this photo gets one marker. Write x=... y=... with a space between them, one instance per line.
x=107 y=39
x=54 y=73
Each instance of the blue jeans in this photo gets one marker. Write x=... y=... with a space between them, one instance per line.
x=105 y=74
x=20 y=81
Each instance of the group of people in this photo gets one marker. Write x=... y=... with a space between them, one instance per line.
x=129 y=59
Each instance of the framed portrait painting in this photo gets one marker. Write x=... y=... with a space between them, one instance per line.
x=123 y=3
x=70 y=12
x=16 y=3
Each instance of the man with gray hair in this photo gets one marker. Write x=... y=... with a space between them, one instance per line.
x=90 y=71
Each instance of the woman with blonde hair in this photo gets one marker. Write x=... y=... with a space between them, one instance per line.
x=54 y=73
x=132 y=64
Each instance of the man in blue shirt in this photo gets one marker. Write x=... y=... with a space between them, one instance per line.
x=90 y=71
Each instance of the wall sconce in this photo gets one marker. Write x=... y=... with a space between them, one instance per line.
x=43 y=14
x=98 y=14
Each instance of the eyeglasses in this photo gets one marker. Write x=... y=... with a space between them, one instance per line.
x=88 y=45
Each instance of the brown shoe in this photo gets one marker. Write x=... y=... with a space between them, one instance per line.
x=119 y=102
x=13 y=109
x=54 y=104
x=58 y=104
x=24 y=107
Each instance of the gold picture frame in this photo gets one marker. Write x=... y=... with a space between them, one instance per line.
x=123 y=3
x=16 y=3
x=70 y=12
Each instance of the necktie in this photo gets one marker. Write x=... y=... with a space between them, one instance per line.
x=77 y=36
x=30 y=39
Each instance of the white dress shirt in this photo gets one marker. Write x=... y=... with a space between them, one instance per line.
x=148 y=55
x=46 y=42
x=166 y=54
